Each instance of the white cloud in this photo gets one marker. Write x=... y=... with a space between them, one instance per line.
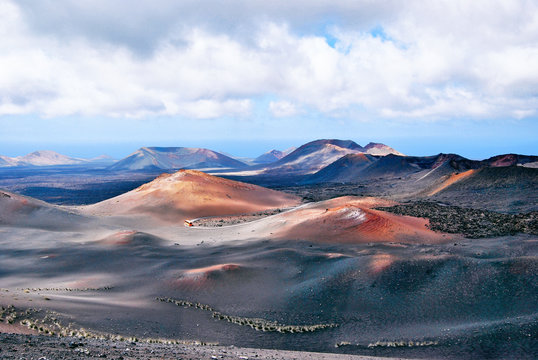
x=202 y=109
x=437 y=60
x=283 y=108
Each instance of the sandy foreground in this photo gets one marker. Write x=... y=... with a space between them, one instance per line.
x=17 y=346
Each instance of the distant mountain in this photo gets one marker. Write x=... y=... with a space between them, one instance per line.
x=175 y=158
x=7 y=161
x=313 y=156
x=501 y=183
x=348 y=144
x=440 y=176
x=272 y=156
x=47 y=158
x=269 y=157
x=380 y=149
x=356 y=167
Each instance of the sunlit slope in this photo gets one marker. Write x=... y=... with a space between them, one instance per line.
x=189 y=194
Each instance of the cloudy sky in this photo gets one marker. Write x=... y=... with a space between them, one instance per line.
x=99 y=76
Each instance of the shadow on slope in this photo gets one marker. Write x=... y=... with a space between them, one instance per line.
x=21 y=211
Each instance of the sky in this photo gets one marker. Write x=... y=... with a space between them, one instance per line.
x=86 y=78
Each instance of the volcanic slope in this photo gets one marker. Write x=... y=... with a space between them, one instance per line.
x=505 y=189
x=345 y=169
x=390 y=166
x=175 y=158
x=313 y=156
x=343 y=220
x=354 y=167
x=502 y=183
x=189 y=194
x=427 y=169
x=26 y=212
x=511 y=160
x=353 y=220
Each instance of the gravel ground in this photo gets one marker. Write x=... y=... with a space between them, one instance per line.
x=218 y=221
x=472 y=223
x=38 y=347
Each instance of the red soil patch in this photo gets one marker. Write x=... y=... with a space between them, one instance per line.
x=352 y=220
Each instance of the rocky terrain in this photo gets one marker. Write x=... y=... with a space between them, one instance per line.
x=218 y=221
x=17 y=346
x=472 y=223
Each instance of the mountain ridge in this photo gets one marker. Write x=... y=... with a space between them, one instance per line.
x=175 y=158
x=48 y=158
x=313 y=156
